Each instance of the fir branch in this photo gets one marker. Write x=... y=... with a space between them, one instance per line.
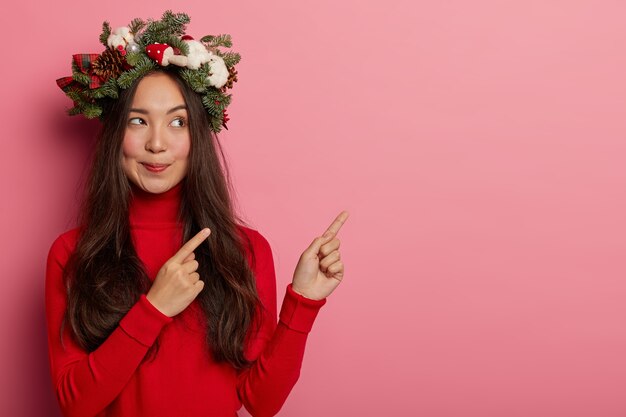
x=81 y=78
x=74 y=111
x=153 y=33
x=144 y=66
x=98 y=93
x=176 y=21
x=195 y=78
x=205 y=71
x=136 y=25
x=176 y=42
x=133 y=58
x=171 y=24
x=230 y=58
x=212 y=108
x=91 y=111
x=224 y=100
x=224 y=40
x=75 y=96
x=216 y=124
x=108 y=89
x=106 y=31
x=213 y=94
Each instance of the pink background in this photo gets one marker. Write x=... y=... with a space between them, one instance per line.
x=478 y=145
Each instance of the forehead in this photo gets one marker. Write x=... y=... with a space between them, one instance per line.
x=157 y=92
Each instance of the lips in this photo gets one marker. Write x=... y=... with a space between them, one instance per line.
x=155 y=167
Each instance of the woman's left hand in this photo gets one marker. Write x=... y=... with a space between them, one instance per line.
x=320 y=270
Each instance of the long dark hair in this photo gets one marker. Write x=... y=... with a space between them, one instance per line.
x=105 y=277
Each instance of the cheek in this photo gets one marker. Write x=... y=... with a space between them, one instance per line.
x=181 y=149
x=131 y=146
x=129 y=155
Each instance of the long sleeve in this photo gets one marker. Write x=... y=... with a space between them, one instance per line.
x=117 y=379
x=85 y=383
x=277 y=350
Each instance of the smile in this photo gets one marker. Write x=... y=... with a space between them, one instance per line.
x=155 y=167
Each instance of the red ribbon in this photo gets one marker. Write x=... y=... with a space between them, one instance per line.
x=83 y=62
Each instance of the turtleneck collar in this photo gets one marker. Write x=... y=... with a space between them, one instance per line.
x=154 y=209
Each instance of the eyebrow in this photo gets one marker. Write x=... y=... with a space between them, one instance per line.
x=172 y=110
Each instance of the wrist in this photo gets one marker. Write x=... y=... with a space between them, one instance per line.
x=304 y=293
x=150 y=299
x=298 y=312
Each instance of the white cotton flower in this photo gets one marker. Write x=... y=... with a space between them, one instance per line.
x=115 y=41
x=125 y=33
x=198 y=54
x=219 y=71
x=120 y=37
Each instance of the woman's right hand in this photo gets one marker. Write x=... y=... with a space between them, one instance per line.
x=177 y=283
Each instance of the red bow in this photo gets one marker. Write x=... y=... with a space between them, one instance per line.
x=83 y=63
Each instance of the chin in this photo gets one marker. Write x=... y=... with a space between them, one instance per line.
x=157 y=190
x=156 y=187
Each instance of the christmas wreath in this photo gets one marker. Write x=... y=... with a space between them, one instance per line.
x=143 y=46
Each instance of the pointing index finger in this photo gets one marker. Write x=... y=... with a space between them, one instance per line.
x=333 y=229
x=191 y=245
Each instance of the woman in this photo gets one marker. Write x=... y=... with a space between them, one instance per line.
x=161 y=303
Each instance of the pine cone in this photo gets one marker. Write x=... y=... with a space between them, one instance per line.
x=111 y=63
x=232 y=78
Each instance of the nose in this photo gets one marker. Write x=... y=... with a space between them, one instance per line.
x=156 y=141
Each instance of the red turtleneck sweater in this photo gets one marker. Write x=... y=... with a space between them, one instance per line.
x=119 y=379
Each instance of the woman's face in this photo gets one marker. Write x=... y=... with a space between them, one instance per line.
x=157 y=140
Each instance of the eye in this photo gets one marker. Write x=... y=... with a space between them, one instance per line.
x=179 y=122
x=136 y=121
